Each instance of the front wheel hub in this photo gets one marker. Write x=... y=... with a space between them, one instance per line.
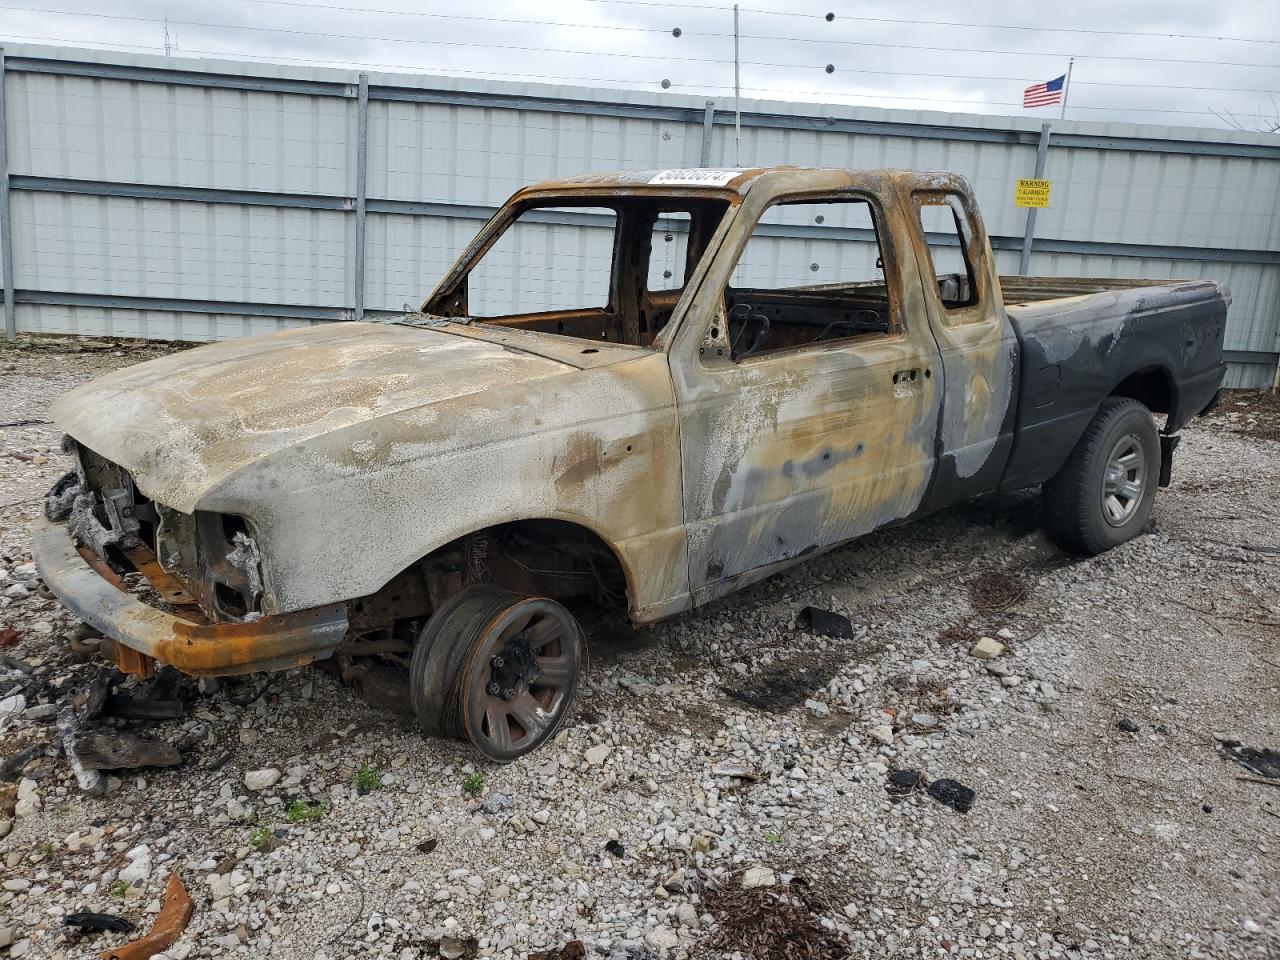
x=513 y=669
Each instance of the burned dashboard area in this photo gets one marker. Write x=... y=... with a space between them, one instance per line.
x=204 y=567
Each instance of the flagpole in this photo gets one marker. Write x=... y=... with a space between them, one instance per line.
x=1067 y=88
x=737 y=91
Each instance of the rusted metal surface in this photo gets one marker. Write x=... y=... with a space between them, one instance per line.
x=351 y=454
x=131 y=661
x=169 y=587
x=101 y=568
x=200 y=649
x=175 y=913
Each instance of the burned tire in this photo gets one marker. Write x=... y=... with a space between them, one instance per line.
x=1105 y=492
x=497 y=669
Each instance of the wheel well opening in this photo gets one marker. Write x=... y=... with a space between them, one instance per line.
x=1151 y=387
x=549 y=558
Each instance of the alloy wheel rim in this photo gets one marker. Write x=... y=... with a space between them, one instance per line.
x=1124 y=481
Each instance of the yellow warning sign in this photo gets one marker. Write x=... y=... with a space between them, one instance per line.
x=1033 y=193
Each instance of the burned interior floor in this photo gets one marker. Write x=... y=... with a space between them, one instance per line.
x=721 y=759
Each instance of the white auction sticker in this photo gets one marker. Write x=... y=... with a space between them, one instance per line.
x=696 y=177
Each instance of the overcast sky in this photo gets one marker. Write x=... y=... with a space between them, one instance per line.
x=1131 y=71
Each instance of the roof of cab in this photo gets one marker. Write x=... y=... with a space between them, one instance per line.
x=718 y=181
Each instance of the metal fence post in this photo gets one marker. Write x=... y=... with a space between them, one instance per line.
x=1024 y=262
x=362 y=157
x=6 y=223
x=708 y=121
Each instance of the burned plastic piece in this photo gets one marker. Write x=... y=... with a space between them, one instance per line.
x=87 y=530
x=952 y=793
x=1264 y=761
x=93 y=922
x=143 y=708
x=245 y=557
x=174 y=915
x=98 y=750
x=58 y=501
x=824 y=623
x=78 y=709
x=903 y=783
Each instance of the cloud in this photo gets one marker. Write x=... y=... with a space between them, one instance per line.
x=878 y=60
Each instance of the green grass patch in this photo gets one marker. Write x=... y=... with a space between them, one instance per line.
x=299 y=811
x=367 y=779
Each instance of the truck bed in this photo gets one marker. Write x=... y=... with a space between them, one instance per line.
x=1083 y=339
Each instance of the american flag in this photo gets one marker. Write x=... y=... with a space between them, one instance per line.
x=1043 y=94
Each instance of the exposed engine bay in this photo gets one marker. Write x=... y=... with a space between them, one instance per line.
x=208 y=561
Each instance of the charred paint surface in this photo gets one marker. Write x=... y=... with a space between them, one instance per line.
x=184 y=423
x=1078 y=349
x=791 y=453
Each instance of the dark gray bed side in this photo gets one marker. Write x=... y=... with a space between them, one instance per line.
x=1159 y=343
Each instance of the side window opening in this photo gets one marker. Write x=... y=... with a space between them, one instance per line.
x=812 y=272
x=947 y=232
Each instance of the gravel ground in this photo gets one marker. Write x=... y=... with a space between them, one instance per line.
x=722 y=783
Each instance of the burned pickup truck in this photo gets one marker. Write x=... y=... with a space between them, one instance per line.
x=643 y=391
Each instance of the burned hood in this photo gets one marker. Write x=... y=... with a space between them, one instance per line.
x=182 y=423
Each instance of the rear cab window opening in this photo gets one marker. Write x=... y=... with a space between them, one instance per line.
x=600 y=268
x=949 y=233
x=669 y=251
x=812 y=272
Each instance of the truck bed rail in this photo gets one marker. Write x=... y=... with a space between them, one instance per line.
x=1017 y=289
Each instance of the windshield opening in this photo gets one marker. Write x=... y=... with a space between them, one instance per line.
x=597 y=268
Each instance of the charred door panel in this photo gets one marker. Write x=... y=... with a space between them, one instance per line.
x=790 y=452
x=787 y=455
x=980 y=356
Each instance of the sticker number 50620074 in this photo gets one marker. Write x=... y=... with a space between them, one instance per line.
x=696 y=178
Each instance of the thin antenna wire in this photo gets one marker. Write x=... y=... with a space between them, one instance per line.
x=167 y=46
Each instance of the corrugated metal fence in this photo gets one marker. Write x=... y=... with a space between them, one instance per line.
x=158 y=197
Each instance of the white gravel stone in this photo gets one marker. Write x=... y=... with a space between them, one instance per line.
x=261 y=779
x=758 y=877
x=662 y=938
x=987 y=648
x=597 y=755
x=882 y=733
x=28 y=798
x=817 y=708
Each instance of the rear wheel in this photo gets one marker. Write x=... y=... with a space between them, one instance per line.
x=497 y=669
x=1105 y=492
